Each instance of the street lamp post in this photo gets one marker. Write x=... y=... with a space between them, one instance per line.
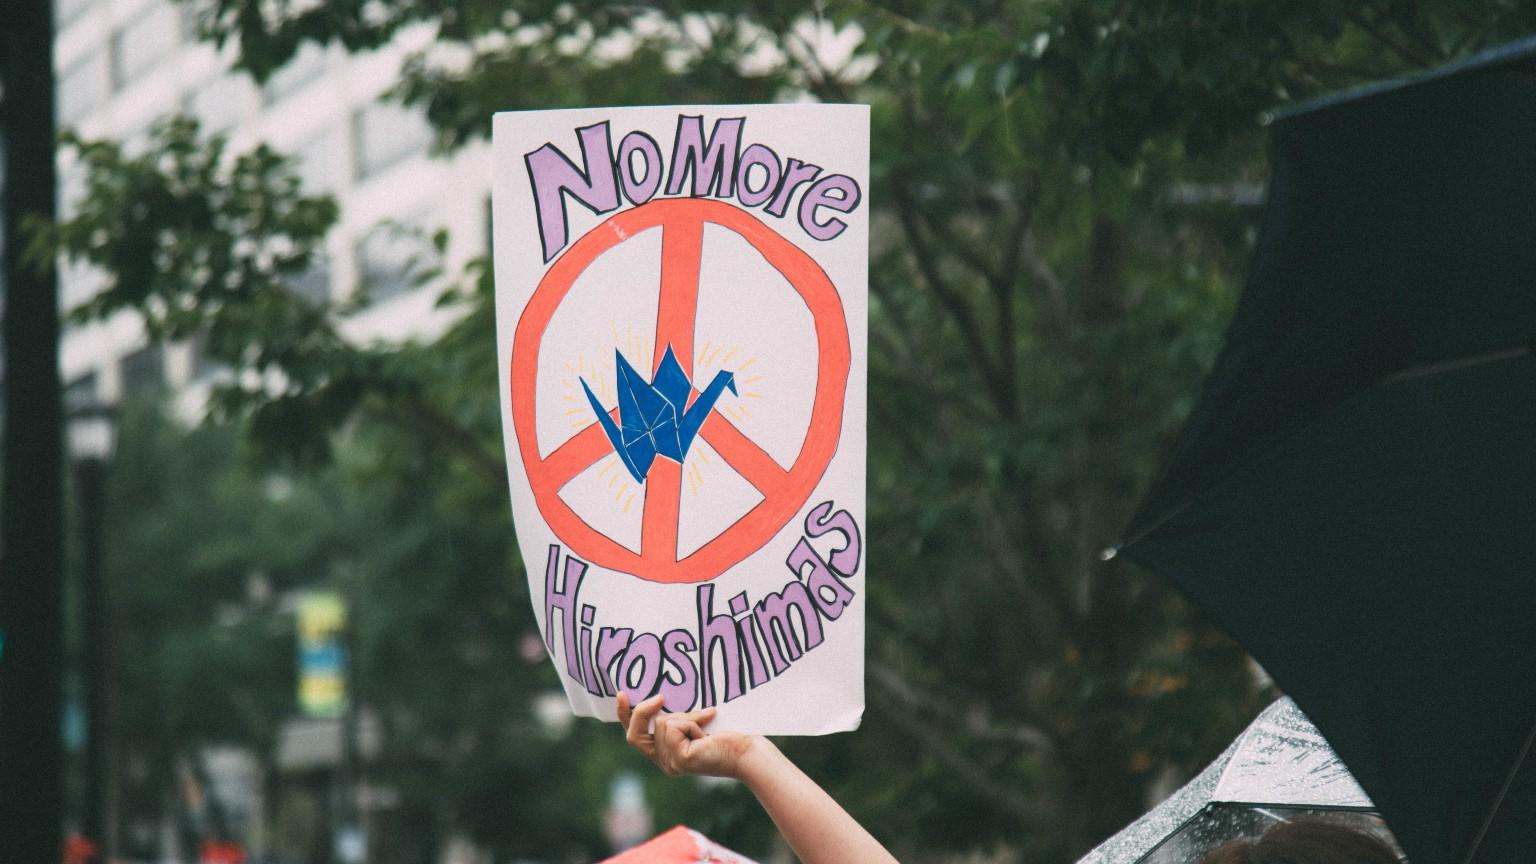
x=92 y=437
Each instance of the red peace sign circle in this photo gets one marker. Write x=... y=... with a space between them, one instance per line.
x=784 y=492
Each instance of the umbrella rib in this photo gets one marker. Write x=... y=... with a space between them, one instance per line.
x=1112 y=552
x=1421 y=371
x=1427 y=369
x=1514 y=771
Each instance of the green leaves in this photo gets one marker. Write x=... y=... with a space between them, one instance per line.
x=201 y=243
x=1062 y=212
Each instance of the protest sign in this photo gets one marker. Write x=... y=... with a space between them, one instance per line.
x=681 y=311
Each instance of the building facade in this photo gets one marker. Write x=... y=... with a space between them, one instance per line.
x=124 y=64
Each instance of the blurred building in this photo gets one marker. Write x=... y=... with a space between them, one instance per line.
x=123 y=64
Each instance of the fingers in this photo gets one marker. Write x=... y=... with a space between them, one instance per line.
x=646 y=712
x=622 y=703
x=638 y=725
x=673 y=731
x=671 y=740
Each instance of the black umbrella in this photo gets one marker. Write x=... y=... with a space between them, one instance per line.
x=1354 y=497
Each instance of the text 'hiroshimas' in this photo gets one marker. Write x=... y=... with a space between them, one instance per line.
x=724 y=654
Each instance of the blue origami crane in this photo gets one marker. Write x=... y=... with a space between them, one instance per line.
x=654 y=418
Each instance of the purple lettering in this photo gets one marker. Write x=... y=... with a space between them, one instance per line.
x=642 y=188
x=785 y=645
x=755 y=156
x=757 y=668
x=588 y=674
x=563 y=600
x=678 y=694
x=818 y=523
x=796 y=173
x=821 y=581
x=821 y=195
x=611 y=642
x=717 y=631
x=711 y=163
x=554 y=176
x=645 y=652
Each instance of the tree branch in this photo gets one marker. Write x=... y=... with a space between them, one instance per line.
x=1040 y=270
x=980 y=781
x=963 y=314
x=432 y=423
x=913 y=699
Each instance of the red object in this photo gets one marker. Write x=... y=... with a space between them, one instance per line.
x=216 y=852
x=682 y=222
x=78 y=849
x=681 y=845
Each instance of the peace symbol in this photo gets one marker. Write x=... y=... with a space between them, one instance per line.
x=784 y=492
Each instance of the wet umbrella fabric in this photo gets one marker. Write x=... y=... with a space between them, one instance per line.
x=1354 y=496
x=1279 y=767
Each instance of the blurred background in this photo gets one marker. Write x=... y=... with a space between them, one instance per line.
x=290 y=619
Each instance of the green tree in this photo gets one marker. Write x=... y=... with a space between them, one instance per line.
x=206 y=543
x=1061 y=208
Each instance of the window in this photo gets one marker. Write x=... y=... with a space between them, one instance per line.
x=317 y=164
x=392 y=259
x=142 y=44
x=221 y=103
x=385 y=133
x=143 y=371
x=314 y=284
x=71 y=190
x=204 y=367
x=307 y=65
x=78 y=282
x=82 y=88
x=66 y=11
x=81 y=392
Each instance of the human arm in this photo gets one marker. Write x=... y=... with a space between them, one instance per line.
x=816 y=827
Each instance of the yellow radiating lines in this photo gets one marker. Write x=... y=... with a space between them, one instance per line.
x=628 y=501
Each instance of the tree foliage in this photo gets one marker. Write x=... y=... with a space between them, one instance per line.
x=1061 y=196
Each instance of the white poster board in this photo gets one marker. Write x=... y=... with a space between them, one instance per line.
x=681 y=316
